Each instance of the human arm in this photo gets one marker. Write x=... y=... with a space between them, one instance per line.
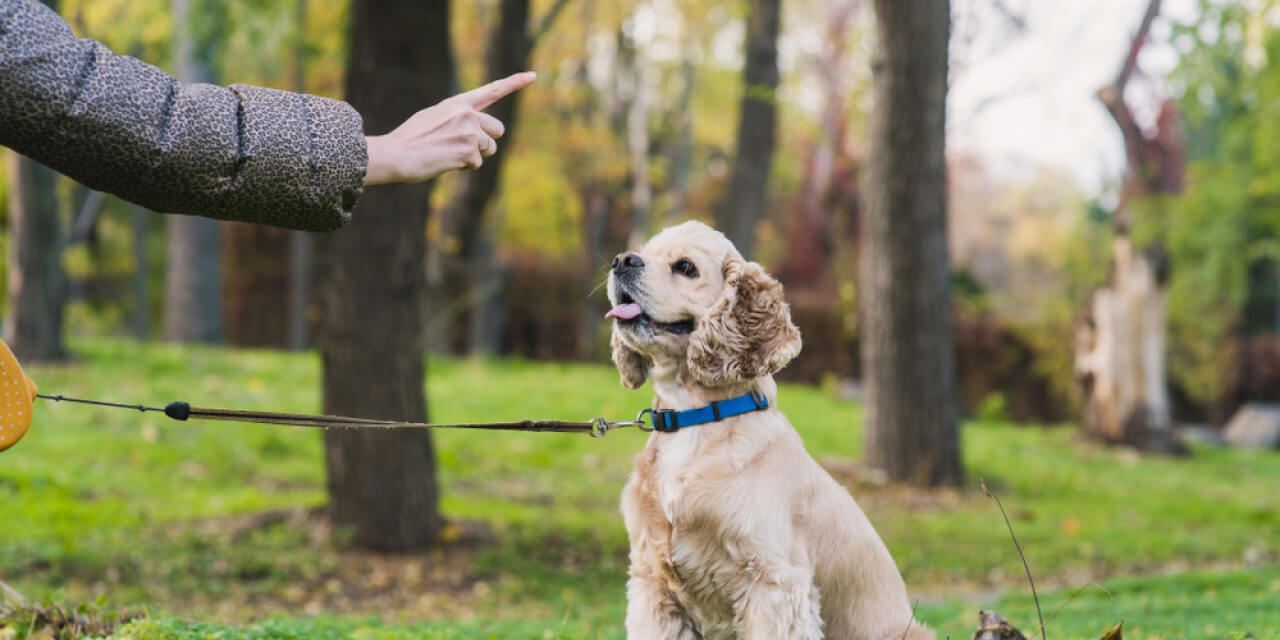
x=119 y=125
x=454 y=134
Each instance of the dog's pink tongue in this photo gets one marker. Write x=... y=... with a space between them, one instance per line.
x=625 y=311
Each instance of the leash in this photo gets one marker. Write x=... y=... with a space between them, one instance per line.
x=18 y=394
x=182 y=411
x=663 y=420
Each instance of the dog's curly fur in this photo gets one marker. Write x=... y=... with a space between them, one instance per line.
x=735 y=531
x=633 y=367
x=747 y=334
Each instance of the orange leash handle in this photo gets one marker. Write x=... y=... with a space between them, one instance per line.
x=17 y=393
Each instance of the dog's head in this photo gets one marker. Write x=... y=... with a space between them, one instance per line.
x=688 y=294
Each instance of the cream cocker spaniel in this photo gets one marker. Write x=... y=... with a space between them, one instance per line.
x=736 y=532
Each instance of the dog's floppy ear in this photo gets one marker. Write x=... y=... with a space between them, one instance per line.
x=632 y=366
x=748 y=332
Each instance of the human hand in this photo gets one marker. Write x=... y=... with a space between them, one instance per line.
x=453 y=134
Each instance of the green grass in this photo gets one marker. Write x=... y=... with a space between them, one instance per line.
x=1186 y=606
x=139 y=510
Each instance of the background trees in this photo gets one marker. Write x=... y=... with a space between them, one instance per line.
x=639 y=120
x=37 y=285
x=896 y=238
x=745 y=200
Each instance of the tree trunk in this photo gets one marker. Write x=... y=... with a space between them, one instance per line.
x=682 y=158
x=907 y=352
x=193 y=271
x=371 y=329
x=141 y=274
x=37 y=285
x=595 y=210
x=266 y=269
x=300 y=241
x=300 y=252
x=743 y=205
x=256 y=284
x=484 y=314
x=1120 y=355
x=463 y=278
x=636 y=70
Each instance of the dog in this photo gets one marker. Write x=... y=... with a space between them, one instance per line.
x=736 y=532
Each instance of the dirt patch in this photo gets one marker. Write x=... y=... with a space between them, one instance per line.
x=441 y=582
x=873 y=491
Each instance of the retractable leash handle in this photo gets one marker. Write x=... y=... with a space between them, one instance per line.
x=17 y=395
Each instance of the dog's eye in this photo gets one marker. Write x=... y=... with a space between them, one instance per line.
x=684 y=268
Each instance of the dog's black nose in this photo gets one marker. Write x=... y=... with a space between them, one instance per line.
x=624 y=261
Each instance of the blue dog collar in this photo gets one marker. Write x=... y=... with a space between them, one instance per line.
x=670 y=420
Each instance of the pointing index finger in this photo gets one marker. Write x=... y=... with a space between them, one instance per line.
x=483 y=96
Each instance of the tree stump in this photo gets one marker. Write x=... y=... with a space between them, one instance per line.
x=1120 y=354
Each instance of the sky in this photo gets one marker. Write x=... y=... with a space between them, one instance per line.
x=1023 y=98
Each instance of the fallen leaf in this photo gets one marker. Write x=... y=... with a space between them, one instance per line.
x=1113 y=633
x=1070 y=526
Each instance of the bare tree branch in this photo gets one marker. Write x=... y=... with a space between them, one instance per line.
x=1139 y=39
x=548 y=19
x=85 y=219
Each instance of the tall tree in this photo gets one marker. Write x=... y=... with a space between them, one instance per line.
x=371 y=332
x=907 y=353
x=744 y=203
x=1120 y=356
x=300 y=249
x=193 y=273
x=141 y=273
x=37 y=284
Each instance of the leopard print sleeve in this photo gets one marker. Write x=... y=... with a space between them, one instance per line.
x=122 y=126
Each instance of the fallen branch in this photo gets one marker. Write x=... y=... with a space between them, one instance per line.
x=1017 y=546
x=1073 y=597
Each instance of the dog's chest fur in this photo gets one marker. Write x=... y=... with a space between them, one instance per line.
x=672 y=469
x=700 y=556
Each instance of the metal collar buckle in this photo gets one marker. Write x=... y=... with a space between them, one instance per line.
x=665 y=420
x=640 y=420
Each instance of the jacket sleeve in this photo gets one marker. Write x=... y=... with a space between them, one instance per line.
x=122 y=126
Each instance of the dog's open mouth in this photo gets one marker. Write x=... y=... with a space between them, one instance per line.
x=629 y=312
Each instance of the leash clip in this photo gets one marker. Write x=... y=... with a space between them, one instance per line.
x=600 y=426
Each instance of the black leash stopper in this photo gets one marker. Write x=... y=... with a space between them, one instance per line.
x=178 y=410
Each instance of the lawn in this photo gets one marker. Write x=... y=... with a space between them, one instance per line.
x=220 y=522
